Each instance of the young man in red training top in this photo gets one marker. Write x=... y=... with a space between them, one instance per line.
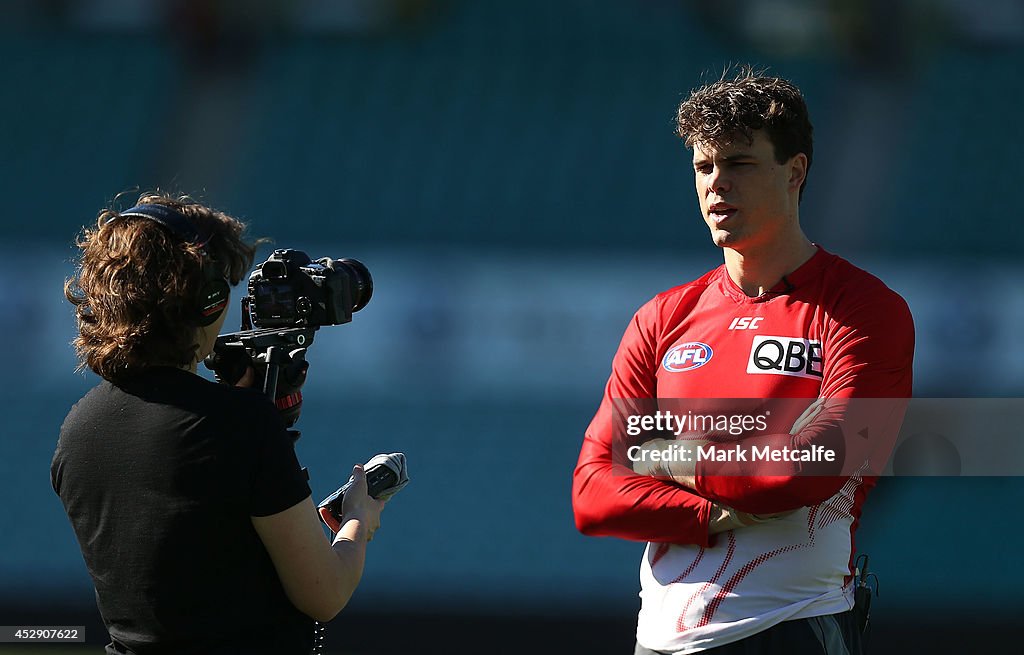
x=738 y=562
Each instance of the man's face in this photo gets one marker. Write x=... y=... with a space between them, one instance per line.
x=746 y=197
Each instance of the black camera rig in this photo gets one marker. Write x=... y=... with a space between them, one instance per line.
x=289 y=298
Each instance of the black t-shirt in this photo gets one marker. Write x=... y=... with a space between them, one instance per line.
x=160 y=475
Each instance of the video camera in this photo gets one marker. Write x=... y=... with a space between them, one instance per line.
x=289 y=298
x=290 y=290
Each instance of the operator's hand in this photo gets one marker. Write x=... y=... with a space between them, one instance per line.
x=358 y=505
x=230 y=365
x=248 y=379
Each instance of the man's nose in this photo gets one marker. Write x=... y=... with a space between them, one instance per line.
x=718 y=181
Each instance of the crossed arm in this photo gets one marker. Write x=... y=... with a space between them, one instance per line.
x=648 y=503
x=869 y=355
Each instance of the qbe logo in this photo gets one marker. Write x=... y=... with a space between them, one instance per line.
x=793 y=356
x=687 y=356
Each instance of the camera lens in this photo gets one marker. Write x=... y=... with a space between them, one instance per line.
x=362 y=283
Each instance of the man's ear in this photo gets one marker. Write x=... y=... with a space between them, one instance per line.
x=797 y=171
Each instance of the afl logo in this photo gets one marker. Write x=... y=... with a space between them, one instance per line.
x=687 y=356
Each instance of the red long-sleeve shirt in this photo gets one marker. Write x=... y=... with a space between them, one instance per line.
x=830 y=331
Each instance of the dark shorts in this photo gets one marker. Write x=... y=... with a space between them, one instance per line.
x=833 y=634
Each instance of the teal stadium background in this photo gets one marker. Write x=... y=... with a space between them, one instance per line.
x=510 y=175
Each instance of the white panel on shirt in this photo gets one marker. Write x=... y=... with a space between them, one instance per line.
x=751 y=579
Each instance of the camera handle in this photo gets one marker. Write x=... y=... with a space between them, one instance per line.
x=276 y=356
x=272 y=346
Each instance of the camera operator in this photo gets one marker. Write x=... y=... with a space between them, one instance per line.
x=192 y=512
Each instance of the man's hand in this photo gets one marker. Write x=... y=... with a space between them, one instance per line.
x=726 y=518
x=670 y=464
x=671 y=459
x=808 y=416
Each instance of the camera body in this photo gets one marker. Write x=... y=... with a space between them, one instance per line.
x=291 y=290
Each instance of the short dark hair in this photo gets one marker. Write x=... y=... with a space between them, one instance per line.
x=135 y=287
x=718 y=113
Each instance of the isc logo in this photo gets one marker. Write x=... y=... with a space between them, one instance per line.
x=687 y=356
x=745 y=322
x=792 y=356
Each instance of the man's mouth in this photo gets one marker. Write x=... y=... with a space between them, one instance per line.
x=720 y=212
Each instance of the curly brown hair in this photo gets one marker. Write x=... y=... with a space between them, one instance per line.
x=716 y=114
x=136 y=283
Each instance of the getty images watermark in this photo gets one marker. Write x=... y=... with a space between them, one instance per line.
x=694 y=449
x=874 y=436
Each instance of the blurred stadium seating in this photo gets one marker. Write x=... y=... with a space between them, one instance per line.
x=509 y=172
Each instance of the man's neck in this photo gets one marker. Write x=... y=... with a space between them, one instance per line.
x=758 y=269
